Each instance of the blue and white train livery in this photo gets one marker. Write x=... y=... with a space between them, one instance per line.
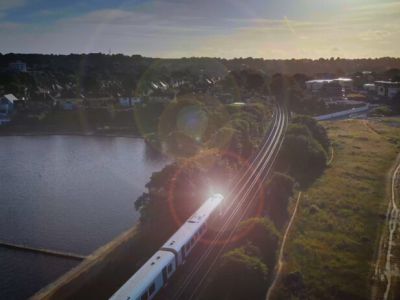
x=155 y=273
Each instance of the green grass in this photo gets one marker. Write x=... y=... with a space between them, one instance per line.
x=334 y=246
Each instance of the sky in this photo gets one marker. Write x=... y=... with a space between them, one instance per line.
x=271 y=29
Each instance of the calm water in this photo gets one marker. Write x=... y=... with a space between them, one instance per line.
x=71 y=194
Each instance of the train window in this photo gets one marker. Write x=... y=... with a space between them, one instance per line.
x=170 y=268
x=144 y=296
x=152 y=289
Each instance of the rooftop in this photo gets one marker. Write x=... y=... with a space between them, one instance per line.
x=396 y=83
x=10 y=97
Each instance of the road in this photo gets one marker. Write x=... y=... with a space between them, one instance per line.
x=191 y=280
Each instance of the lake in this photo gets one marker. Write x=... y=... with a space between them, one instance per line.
x=65 y=193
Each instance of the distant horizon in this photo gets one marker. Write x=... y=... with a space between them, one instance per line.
x=200 y=57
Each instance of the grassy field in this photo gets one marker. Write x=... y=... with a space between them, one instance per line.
x=333 y=244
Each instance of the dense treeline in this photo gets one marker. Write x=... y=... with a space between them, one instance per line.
x=304 y=150
x=245 y=271
x=98 y=74
x=205 y=150
x=73 y=62
x=211 y=143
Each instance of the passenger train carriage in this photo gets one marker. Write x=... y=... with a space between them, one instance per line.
x=155 y=273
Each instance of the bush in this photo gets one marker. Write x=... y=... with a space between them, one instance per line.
x=302 y=156
x=382 y=111
x=317 y=131
x=262 y=233
x=240 y=276
x=277 y=195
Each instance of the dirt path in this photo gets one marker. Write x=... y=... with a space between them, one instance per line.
x=384 y=268
x=281 y=250
x=393 y=221
x=371 y=129
x=332 y=156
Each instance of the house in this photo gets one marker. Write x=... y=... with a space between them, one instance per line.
x=369 y=87
x=129 y=101
x=387 y=89
x=18 y=66
x=7 y=104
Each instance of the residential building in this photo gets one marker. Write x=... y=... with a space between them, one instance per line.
x=7 y=104
x=129 y=101
x=387 y=89
x=369 y=87
x=18 y=66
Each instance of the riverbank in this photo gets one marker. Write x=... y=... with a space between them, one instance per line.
x=68 y=133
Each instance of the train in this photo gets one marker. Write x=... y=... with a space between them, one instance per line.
x=157 y=271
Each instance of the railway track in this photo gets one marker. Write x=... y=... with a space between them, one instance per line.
x=242 y=199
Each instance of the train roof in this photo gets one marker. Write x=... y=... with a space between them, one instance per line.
x=144 y=277
x=189 y=228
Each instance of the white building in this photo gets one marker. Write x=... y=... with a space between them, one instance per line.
x=18 y=66
x=369 y=87
x=7 y=104
x=317 y=84
x=387 y=89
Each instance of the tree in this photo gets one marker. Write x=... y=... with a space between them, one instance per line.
x=277 y=196
x=280 y=86
x=317 y=131
x=240 y=276
x=254 y=81
x=261 y=232
x=301 y=155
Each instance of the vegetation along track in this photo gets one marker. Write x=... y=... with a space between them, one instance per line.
x=279 y=264
x=240 y=203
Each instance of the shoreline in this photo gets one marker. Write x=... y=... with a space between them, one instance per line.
x=87 y=272
x=81 y=134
